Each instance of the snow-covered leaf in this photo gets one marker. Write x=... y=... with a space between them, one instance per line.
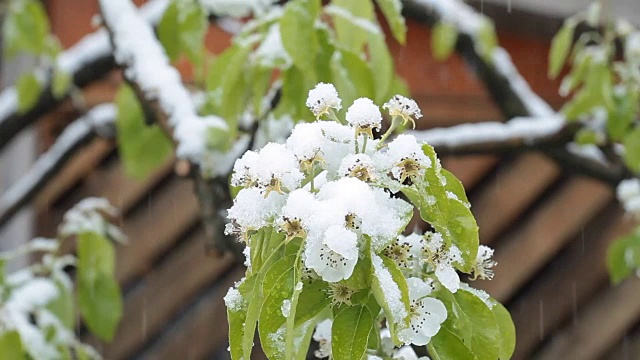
x=390 y=289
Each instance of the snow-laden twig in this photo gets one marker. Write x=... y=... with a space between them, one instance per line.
x=88 y=60
x=496 y=137
x=147 y=67
x=99 y=120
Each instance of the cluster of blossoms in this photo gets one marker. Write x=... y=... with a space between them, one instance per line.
x=335 y=187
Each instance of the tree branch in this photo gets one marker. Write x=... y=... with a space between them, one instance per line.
x=507 y=87
x=88 y=60
x=98 y=121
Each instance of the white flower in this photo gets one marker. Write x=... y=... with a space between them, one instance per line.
x=442 y=260
x=334 y=255
x=322 y=335
x=271 y=169
x=306 y=142
x=403 y=107
x=297 y=213
x=483 y=267
x=632 y=47
x=252 y=211
x=365 y=116
x=359 y=166
x=322 y=98
x=426 y=314
x=375 y=212
x=404 y=160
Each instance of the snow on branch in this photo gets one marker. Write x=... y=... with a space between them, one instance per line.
x=495 y=137
x=99 y=120
x=88 y=60
x=147 y=68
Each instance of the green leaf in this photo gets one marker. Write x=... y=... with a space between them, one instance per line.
x=444 y=37
x=63 y=306
x=631 y=143
x=11 y=346
x=560 y=48
x=507 y=331
x=586 y=136
x=381 y=64
x=238 y=319
x=99 y=297
x=472 y=322
x=218 y=139
x=142 y=148
x=449 y=216
x=348 y=17
x=298 y=38
x=385 y=274
x=61 y=83
x=350 y=333
x=446 y=345
x=623 y=257
x=277 y=286
x=169 y=30
x=623 y=113
x=351 y=77
x=312 y=301
x=29 y=89
x=25 y=28
x=193 y=28
x=392 y=10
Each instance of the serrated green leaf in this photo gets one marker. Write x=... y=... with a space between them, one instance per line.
x=142 y=148
x=444 y=37
x=169 y=31
x=11 y=346
x=506 y=329
x=99 y=297
x=631 y=143
x=392 y=10
x=61 y=83
x=350 y=333
x=29 y=89
x=298 y=38
x=449 y=216
x=560 y=48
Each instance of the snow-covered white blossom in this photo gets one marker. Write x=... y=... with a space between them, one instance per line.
x=404 y=160
x=359 y=166
x=334 y=255
x=322 y=99
x=251 y=210
x=296 y=214
x=272 y=169
x=90 y=215
x=483 y=267
x=442 y=259
x=404 y=107
x=364 y=116
x=426 y=314
x=322 y=335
